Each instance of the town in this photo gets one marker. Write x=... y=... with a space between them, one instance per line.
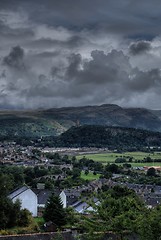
x=33 y=174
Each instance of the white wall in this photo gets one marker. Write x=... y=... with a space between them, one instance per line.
x=28 y=200
x=63 y=199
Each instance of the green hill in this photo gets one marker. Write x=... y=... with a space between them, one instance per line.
x=111 y=137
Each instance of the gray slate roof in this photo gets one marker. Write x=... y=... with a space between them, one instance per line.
x=17 y=192
x=43 y=196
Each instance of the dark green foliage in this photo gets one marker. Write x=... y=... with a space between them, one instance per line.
x=120 y=160
x=11 y=215
x=111 y=137
x=149 y=227
x=15 y=127
x=24 y=218
x=118 y=211
x=86 y=172
x=6 y=183
x=151 y=172
x=76 y=173
x=127 y=165
x=112 y=168
x=121 y=212
x=54 y=211
x=6 y=210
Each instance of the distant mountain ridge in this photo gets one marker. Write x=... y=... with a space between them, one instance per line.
x=52 y=122
x=110 y=115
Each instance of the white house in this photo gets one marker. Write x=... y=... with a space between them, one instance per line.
x=27 y=198
x=69 y=196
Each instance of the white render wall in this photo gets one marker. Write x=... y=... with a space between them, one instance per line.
x=63 y=199
x=28 y=200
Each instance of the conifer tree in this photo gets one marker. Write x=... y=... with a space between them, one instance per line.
x=54 y=211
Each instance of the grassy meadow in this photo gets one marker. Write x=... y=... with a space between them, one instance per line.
x=111 y=157
x=89 y=176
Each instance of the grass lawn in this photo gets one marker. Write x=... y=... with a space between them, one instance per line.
x=39 y=220
x=110 y=157
x=90 y=176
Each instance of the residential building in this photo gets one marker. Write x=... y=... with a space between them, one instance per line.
x=27 y=198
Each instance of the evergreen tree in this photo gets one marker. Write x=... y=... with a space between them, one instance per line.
x=54 y=211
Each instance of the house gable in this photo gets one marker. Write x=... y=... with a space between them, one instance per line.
x=27 y=198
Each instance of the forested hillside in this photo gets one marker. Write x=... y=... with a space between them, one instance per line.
x=112 y=137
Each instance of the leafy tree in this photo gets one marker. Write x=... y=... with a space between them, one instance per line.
x=73 y=160
x=6 y=183
x=113 y=168
x=15 y=210
x=76 y=173
x=127 y=165
x=151 y=172
x=54 y=211
x=149 y=226
x=148 y=159
x=120 y=160
x=130 y=159
x=25 y=218
x=118 y=211
x=12 y=214
x=49 y=184
x=6 y=207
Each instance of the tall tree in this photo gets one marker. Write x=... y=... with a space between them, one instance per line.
x=54 y=211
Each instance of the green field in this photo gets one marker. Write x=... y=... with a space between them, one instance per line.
x=110 y=157
x=89 y=176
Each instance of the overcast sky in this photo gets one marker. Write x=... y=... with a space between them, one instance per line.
x=56 y=53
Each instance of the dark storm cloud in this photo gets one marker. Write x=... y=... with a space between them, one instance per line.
x=139 y=47
x=102 y=78
x=101 y=69
x=109 y=75
x=111 y=70
x=127 y=17
x=144 y=81
x=79 y=52
x=15 y=58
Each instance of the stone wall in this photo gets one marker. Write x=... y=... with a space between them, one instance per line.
x=38 y=236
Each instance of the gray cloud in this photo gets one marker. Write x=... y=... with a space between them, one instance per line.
x=103 y=78
x=139 y=47
x=89 y=52
x=15 y=58
x=48 y=43
x=127 y=17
